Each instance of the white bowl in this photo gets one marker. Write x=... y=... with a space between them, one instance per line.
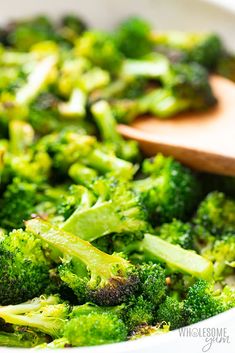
x=185 y=15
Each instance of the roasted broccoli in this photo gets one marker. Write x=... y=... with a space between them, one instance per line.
x=169 y=191
x=117 y=210
x=24 y=267
x=98 y=242
x=202 y=48
x=92 y=274
x=203 y=301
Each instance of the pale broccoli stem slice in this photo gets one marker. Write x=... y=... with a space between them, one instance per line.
x=94 y=222
x=82 y=174
x=21 y=136
x=176 y=257
x=105 y=163
x=156 y=67
x=37 y=80
x=76 y=106
x=106 y=122
x=93 y=79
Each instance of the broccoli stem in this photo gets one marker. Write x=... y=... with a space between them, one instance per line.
x=20 y=339
x=105 y=163
x=106 y=122
x=163 y=103
x=76 y=106
x=98 y=262
x=21 y=136
x=155 y=68
x=82 y=174
x=36 y=81
x=176 y=257
x=105 y=221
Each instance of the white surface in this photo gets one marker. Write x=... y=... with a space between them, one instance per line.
x=164 y=14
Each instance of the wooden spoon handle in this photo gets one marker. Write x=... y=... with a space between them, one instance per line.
x=192 y=157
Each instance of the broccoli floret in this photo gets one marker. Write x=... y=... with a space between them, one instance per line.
x=117 y=210
x=78 y=197
x=23 y=34
x=45 y=314
x=93 y=275
x=71 y=27
x=91 y=326
x=171 y=312
x=170 y=191
x=222 y=255
x=17 y=203
x=43 y=115
x=203 y=301
x=138 y=311
x=152 y=282
x=215 y=214
x=133 y=37
x=100 y=49
x=107 y=125
x=68 y=147
x=24 y=268
x=202 y=48
x=185 y=87
x=177 y=232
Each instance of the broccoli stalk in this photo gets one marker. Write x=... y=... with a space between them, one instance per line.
x=176 y=257
x=169 y=191
x=104 y=279
x=37 y=79
x=22 y=339
x=21 y=137
x=107 y=125
x=76 y=106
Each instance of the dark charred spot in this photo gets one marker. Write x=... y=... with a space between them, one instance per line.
x=116 y=291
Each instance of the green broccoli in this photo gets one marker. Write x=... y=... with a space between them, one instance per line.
x=90 y=325
x=71 y=27
x=222 y=254
x=17 y=203
x=170 y=191
x=23 y=34
x=177 y=232
x=203 y=301
x=24 y=268
x=117 y=210
x=215 y=214
x=44 y=314
x=100 y=49
x=133 y=37
x=171 y=312
x=202 y=48
x=93 y=275
x=107 y=125
x=22 y=339
x=185 y=87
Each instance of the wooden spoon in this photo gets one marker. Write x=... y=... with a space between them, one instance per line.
x=203 y=141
